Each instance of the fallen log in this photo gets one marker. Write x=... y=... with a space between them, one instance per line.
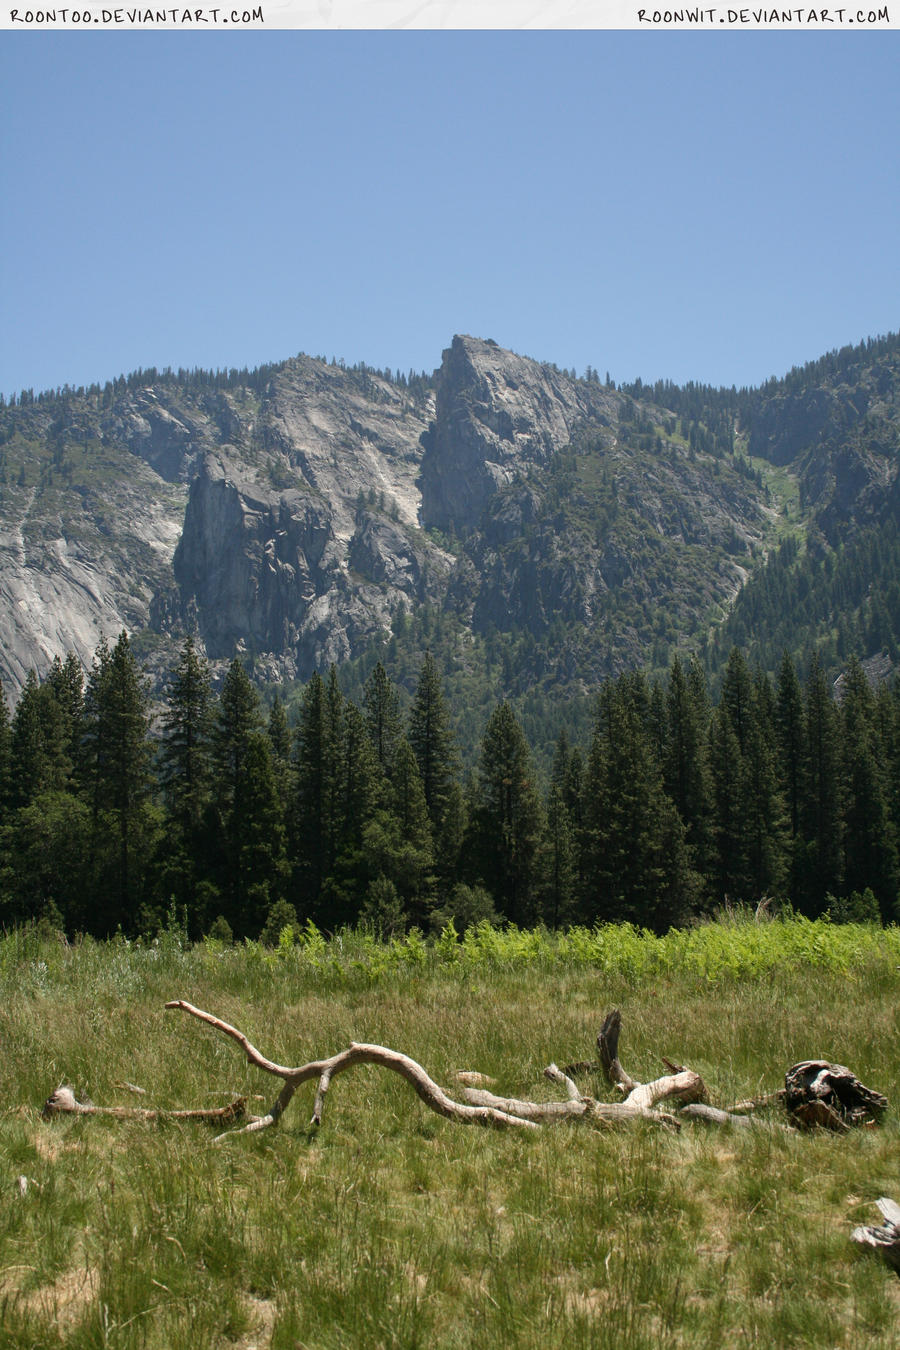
x=816 y=1091
x=480 y=1106
x=580 y=1105
x=714 y=1114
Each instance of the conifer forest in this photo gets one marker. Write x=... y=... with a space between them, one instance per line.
x=239 y=817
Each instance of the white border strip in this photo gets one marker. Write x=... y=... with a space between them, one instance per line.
x=261 y=15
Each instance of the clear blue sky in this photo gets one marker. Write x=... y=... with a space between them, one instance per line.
x=685 y=206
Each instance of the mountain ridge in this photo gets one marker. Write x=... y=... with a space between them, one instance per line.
x=290 y=514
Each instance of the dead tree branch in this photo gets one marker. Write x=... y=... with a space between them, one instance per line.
x=815 y=1092
x=325 y=1070
x=480 y=1105
x=608 y=1045
x=64 y=1102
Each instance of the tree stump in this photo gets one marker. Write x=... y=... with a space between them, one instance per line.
x=819 y=1093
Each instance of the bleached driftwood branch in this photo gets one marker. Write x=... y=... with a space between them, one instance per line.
x=480 y=1106
x=64 y=1102
x=641 y=1101
x=325 y=1070
x=832 y=1088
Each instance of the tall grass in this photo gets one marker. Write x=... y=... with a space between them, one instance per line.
x=392 y=1227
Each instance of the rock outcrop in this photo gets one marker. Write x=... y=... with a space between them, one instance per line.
x=497 y=413
x=290 y=513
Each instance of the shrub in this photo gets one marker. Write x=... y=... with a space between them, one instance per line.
x=281 y=915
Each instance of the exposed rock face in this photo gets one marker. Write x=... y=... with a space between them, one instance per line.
x=288 y=515
x=260 y=552
x=497 y=413
x=840 y=432
x=303 y=550
x=280 y=522
x=80 y=564
x=171 y=444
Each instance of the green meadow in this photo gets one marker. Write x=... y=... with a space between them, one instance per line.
x=389 y=1226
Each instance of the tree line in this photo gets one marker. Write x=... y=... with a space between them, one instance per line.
x=113 y=810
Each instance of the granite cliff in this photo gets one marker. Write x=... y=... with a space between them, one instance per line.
x=293 y=512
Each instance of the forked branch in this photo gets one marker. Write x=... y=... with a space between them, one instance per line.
x=830 y=1088
x=325 y=1070
x=480 y=1106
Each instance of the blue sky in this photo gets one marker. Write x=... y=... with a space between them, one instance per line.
x=684 y=205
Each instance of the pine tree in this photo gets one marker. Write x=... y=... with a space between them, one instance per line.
x=558 y=864
x=748 y=826
x=5 y=757
x=383 y=721
x=887 y=733
x=636 y=862
x=729 y=858
x=41 y=738
x=353 y=796
x=238 y=718
x=507 y=818
x=432 y=741
x=65 y=680
x=310 y=824
x=737 y=697
x=45 y=847
x=118 y=785
x=256 y=839
x=185 y=755
x=185 y=774
x=336 y=791
x=685 y=758
x=397 y=840
x=870 y=845
x=821 y=821
x=789 y=739
x=763 y=809
x=280 y=743
x=249 y=812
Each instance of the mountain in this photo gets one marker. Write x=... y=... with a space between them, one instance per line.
x=545 y=530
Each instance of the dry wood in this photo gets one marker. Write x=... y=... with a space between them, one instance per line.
x=545 y=1111
x=759 y=1103
x=472 y=1078
x=324 y=1070
x=557 y=1076
x=608 y=1045
x=480 y=1106
x=816 y=1092
x=63 y=1101
x=714 y=1114
x=885 y=1239
x=640 y=1102
x=641 y=1098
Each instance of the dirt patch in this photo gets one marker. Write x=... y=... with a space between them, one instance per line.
x=65 y=1301
x=262 y=1313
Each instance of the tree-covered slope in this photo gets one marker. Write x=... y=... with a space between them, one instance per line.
x=537 y=531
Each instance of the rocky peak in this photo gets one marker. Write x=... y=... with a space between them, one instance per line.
x=288 y=513
x=496 y=412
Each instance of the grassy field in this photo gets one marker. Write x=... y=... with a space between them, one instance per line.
x=392 y=1227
